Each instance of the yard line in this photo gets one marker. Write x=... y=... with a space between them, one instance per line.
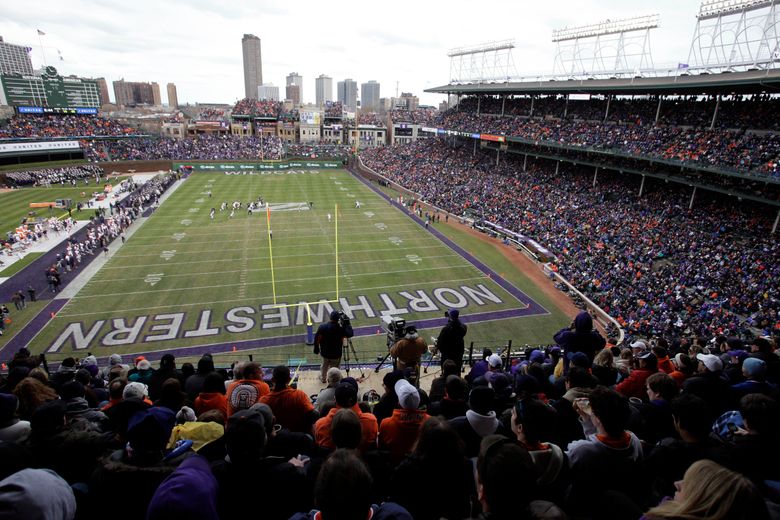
x=290 y=297
x=266 y=282
x=100 y=280
x=437 y=245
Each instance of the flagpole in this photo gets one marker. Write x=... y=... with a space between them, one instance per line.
x=43 y=52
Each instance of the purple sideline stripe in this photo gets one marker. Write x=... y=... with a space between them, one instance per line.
x=32 y=328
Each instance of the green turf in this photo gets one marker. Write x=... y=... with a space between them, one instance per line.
x=180 y=261
x=15 y=205
x=19 y=265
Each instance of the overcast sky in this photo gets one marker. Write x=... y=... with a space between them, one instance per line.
x=196 y=44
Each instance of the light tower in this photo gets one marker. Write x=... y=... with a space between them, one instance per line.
x=490 y=61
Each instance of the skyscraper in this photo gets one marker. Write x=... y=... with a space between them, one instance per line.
x=295 y=94
x=253 y=65
x=324 y=89
x=103 y=87
x=269 y=92
x=14 y=58
x=131 y=93
x=347 y=93
x=369 y=96
x=156 y=97
x=173 y=96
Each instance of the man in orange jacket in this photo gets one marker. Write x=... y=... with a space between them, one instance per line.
x=399 y=432
x=245 y=392
x=346 y=397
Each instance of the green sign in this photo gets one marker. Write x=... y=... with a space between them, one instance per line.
x=257 y=166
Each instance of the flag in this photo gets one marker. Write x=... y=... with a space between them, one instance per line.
x=41 y=33
x=682 y=66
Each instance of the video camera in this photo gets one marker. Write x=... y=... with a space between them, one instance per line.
x=395 y=328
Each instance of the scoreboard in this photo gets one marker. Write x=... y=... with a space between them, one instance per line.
x=49 y=90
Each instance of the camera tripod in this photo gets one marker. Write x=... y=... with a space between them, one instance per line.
x=346 y=349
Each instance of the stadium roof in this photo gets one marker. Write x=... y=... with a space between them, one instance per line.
x=748 y=82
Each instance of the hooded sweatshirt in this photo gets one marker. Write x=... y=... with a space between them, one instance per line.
x=36 y=494
x=582 y=339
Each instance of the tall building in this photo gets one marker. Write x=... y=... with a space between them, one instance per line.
x=173 y=96
x=103 y=86
x=324 y=89
x=131 y=93
x=269 y=92
x=347 y=93
x=253 y=65
x=295 y=94
x=15 y=58
x=156 y=98
x=369 y=96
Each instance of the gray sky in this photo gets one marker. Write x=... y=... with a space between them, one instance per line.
x=196 y=44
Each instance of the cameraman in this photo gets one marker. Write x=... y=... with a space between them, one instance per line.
x=450 y=341
x=329 y=341
x=408 y=350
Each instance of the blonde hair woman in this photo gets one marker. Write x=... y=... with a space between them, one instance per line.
x=710 y=491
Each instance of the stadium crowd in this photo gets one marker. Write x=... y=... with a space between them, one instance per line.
x=48 y=176
x=734 y=112
x=318 y=151
x=724 y=149
x=647 y=430
x=204 y=147
x=47 y=126
x=257 y=108
x=421 y=116
x=651 y=263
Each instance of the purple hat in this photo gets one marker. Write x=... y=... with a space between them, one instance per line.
x=453 y=314
x=537 y=356
x=739 y=354
x=149 y=430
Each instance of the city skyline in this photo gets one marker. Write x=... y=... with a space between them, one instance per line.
x=142 y=41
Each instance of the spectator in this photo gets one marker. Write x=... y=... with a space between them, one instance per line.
x=213 y=395
x=479 y=369
x=283 y=489
x=436 y=392
x=408 y=351
x=398 y=433
x=292 y=407
x=435 y=480
x=36 y=493
x=143 y=374
x=247 y=391
x=190 y=491
x=171 y=396
x=709 y=383
x=609 y=458
x=346 y=397
x=480 y=420
x=754 y=371
x=12 y=429
x=193 y=385
x=454 y=404
x=580 y=337
x=166 y=371
x=755 y=448
x=711 y=491
x=327 y=396
x=762 y=349
x=672 y=456
x=654 y=421
x=604 y=368
x=634 y=385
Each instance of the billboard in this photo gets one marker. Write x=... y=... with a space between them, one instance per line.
x=310 y=118
x=256 y=166
x=49 y=90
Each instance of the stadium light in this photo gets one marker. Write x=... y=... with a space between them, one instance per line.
x=715 y=8
x=637 y=23
x=485 y=47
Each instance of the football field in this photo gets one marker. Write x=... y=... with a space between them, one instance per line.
x=190 y=284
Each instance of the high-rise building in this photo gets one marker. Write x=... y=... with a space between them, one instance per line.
x=295 y=94
x=14 y=58
x=253 y=65
x=324 y=88
x=269 y=92
x=173 y=96
x=369 y=96
x=131 y=93
x=156 y=97
x=103 y=86
x=347 y=93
